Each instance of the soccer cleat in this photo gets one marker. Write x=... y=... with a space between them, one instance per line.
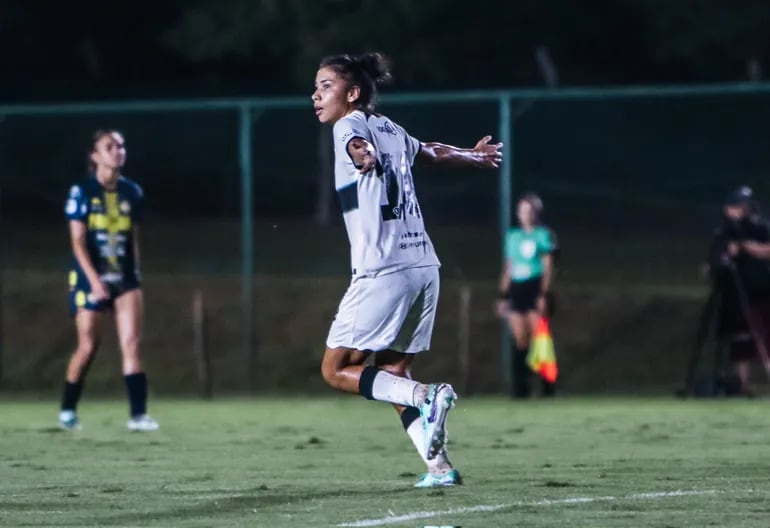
x=431 y=480
x=441 y=397
x=68 y=421
x=142 y=423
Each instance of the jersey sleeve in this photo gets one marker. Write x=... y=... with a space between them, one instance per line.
x=548 y=242
x=137 y=208
x=76 y=207
x=347 y=128
x=413 y=146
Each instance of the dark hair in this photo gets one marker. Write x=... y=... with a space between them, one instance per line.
x=367 y=71
x=535 y=201
x=95 y=137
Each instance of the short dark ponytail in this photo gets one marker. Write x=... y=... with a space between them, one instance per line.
x=367 y=71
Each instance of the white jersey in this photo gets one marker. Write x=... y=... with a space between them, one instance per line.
x=380 y=208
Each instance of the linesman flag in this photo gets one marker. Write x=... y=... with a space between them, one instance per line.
x=542 y=357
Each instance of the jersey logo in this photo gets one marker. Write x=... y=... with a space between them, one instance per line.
x=387 y=128
x=125 y=207
x=352 y=133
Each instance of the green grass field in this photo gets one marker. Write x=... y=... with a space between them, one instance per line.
x=347 y=462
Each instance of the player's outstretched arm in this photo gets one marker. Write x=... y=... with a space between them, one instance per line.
x=485 y=154
x=759 y=250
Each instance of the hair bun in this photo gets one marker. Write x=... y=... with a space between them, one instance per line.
x=376 y=65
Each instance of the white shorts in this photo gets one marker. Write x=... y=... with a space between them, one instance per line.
x=390 y=312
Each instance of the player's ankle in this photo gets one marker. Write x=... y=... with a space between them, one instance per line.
x=420 y=394
x=440 y=464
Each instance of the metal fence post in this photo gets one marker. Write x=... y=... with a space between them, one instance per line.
x=2 y=272
x=247 y=246
x=505 y=184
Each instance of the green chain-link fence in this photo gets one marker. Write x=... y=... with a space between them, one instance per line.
x=240 y=209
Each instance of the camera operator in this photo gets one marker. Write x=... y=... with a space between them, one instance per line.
x=739 y=265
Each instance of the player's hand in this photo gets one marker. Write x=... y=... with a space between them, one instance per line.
x=363 y=155
x=99 y=292
x=752 y=248
x=541 y=305
x=488 y=155
x=733 y=248
x=501 y=308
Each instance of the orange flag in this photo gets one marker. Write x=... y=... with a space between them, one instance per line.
x=542 y=356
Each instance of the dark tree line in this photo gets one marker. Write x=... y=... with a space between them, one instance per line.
x=272 y=46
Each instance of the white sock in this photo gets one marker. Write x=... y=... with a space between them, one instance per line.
x=440 y=463
x=395 y=389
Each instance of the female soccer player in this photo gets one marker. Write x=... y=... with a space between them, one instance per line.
x=525 y=283
x=103 y=214
x=390 y=305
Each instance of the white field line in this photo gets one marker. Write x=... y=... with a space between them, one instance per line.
x=393 y=519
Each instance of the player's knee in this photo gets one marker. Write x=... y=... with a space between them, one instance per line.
x=330 y=373
x=130 y=345
x=86 y=350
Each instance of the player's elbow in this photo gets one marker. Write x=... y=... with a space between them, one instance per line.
x=428 y=153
